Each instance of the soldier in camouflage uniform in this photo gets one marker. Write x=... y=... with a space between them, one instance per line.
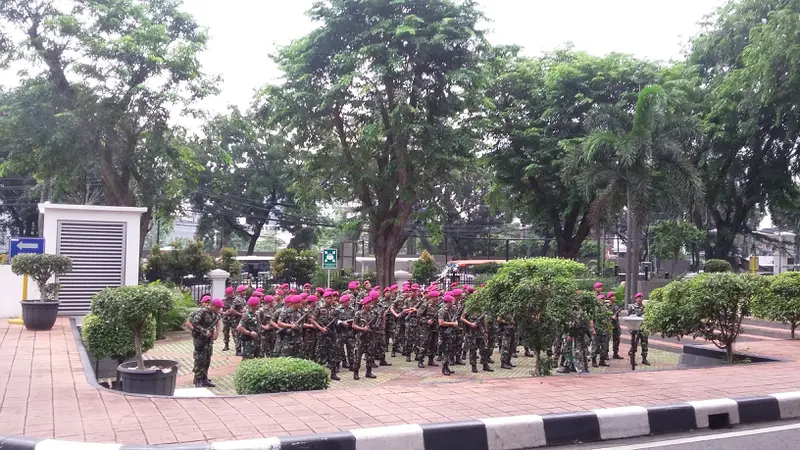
x=447 y=319
x=601 y=337
x=580 y=332
x=267 y=317
x=637 y=309
x=426 y=339
x=398 y=328
x=310 y=332
x=324 y=318
x=459 y=332
x=363 y=321
x=230 y=296
x=411 y=323
x=249 y=328
x=289 y=322
x=204 y=324
x=505 y=325
x=476 y=338
x=346 y=340
x=232 y=317
x=616 y=330
x=384 y=303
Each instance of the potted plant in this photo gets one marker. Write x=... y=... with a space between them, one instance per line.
x=41 y=314
x=134 y=310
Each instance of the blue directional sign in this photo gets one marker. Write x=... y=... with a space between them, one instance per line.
x=18 y=246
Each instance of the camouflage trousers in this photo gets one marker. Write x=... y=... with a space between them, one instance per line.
x=290 y=345
x=426 y=341
x=600 y=346
x=507 y=344
x=492 y=339
x=558 y=349
x=203 y=348
x=616 y=334
x=580 y=351
x=398 y=333
x=460 y=339
x=410 y=338
x=345 y=347
x=229 y=331
x=448 y=344
x=474 y=343
x=326 y=352
x=643 y=341
x=249 y=347
x=268 y=344
x=308 y=350
x=364 y=349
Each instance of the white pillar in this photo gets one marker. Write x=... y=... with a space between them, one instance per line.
x=218 y=278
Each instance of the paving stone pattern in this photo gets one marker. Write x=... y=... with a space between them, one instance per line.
x=44 y=394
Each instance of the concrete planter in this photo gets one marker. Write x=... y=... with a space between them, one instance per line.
x=151 y=381
x=38 y=315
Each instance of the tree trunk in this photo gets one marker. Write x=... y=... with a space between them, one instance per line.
x=729 y=352
x=794 y=326
x=537 y=363
x=137 y=342
x=144 y=227
x=384 y=264
x=629 y=252
x=634 y=240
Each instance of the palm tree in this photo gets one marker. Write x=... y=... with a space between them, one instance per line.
x=637 y=160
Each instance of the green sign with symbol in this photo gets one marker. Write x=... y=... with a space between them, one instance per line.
x=329 y=259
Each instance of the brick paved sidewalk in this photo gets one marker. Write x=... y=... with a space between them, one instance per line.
x=45 y=395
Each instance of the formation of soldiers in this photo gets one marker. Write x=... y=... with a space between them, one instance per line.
x=361 y=325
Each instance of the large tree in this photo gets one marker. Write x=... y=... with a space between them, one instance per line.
x=380 y=99
x=541 y=105
x=746 y=62
x=113 y=71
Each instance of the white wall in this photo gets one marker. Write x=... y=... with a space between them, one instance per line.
x=11 y=292
x=53 y=213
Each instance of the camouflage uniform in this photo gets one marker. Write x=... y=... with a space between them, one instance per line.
x=381 y=344
x=448 y=337
x=309 y=337
x=229 y=323
x=411 y=330
x=365 y=346
x=250 y=344
x=602 y=326
x=426 y=338
x=202 y=322
x=491 y=332
x=398 y=329
x=459 y=332
x=638 y=310
x=326 y=342
x=345 y=344
x=616 y=330
x=291 y=340
x=265 y=315
x=581 y=336
x=507 y=339
x=474 y=340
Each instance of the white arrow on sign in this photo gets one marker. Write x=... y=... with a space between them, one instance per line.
x=27 y=246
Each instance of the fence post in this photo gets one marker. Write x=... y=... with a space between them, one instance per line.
x=218 y=278
x=507 y=250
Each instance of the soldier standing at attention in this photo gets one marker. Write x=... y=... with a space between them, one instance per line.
x=426 y=338
x=308 y=303
x=476 y=338
x=291 y=342
x=384 y=303
x=601 y=337
x=226 y=329
x=505 y=326
x=410 y=313
x=233 y=316
x=396 y=310
x=364 y=346
x=266 y=317
x=616 y=330
x=324 y=317
x=248 y=329
x=447 y=319
x=637 y=309
x=460 y=332
x=346 y=342
x=204 y=324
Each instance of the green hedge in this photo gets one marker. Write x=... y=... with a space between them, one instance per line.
x=105 y=339
x=490 y=268
x=268 y=375
x=717 y=266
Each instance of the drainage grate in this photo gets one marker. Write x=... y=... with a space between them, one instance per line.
x=718 y=421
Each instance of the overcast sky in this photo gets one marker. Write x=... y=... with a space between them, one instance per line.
x=245 y=32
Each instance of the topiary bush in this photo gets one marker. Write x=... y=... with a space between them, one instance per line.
x=269 y=375
x=425 y=268
x=717 y=266
x=41 y=268
x=780 y=300
x=106 y=339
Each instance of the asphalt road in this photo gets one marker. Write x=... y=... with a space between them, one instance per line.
x=783 y=435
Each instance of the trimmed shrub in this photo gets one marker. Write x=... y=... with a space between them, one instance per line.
x=488 y=268
x=780 y=300
x=291 y=266
x=229 y=263
x=106 y=339
x=717 y=266
x=425 y=268
x=269 y=375
x=41 y=268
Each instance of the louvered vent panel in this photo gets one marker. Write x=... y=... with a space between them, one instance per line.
x=97 y=250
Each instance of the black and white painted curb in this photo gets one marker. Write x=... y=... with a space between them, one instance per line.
x=502 y=433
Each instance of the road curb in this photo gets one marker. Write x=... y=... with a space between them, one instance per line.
x=501 y=433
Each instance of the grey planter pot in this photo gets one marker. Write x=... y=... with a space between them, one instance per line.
x=38 y=315
x=151 y=382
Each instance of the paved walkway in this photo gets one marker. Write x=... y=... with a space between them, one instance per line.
x=45 y=395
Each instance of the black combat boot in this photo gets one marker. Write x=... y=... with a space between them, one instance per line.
x=208 y=383
x=439 y=358
x=603 y=363
x=505 y=365
x=459 y=362
x=563 y=369
x=408 y=357
x=491 y=361
x=486 y=368
x=226 y=348
x=644 y=362
x=369 y=373
x=355 y=374
x=474 y=368
x=594 y=361
x=384 y=363
x=345 y=364
x=334 y=377
x=431 y=363
x=394 y=353
x=528 y=352
x=616 y=356
x=421 y=363
x=198 y=383
x=572 y=368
